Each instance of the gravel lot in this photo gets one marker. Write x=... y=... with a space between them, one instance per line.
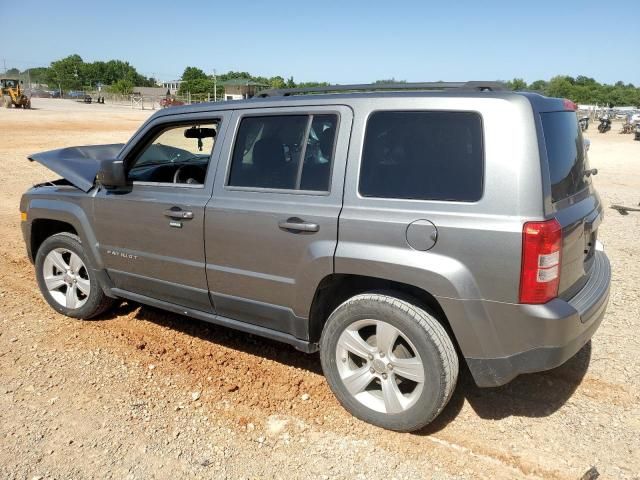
x=142 y=393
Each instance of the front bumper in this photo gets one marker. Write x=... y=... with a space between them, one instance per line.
x=531 y=338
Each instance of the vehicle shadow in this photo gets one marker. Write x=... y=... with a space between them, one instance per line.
x=224 y=336
x=531 y=395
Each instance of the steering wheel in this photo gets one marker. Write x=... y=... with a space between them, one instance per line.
x=190 y=174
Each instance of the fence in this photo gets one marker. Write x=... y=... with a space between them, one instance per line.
x=142 y=102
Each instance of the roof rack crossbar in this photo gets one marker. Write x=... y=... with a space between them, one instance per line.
x=371 y=87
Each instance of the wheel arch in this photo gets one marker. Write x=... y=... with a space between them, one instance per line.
x=336 y=288
x=48 y=217
x=43 y=228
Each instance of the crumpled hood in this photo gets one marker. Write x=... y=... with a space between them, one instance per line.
x=79 y=165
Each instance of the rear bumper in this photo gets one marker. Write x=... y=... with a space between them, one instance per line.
x=512 y=339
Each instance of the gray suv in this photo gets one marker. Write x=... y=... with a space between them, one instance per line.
x=397 y=229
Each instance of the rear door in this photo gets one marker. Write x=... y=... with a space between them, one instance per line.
x=573 y=197
x=271 y=226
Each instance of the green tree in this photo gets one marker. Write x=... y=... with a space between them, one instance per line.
x=538 y=86
x=193 y=73
x=517 y=84
x=66 y=72
x=37 y=75
x=123 y=86
x=560 y=86
x=277 y=82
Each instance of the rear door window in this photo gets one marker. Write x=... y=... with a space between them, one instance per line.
x=423 y=155
x=565 y=153
x=284 y=152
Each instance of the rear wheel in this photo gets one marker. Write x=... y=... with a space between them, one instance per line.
x=388 y=361
x=65 y=279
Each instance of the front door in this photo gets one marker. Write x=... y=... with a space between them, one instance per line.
x=151 y=234
x=271 y=224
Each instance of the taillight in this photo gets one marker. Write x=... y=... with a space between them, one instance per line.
x=541 y=250
x=569 y=105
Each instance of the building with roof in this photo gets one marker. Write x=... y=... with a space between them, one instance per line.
x=149 y=91
x=172 y=85
x=241 y=88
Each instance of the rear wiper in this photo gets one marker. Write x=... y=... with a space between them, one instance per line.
x=593 y=171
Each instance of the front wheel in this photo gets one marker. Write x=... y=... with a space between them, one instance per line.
x=65 y=279
x=388 y=361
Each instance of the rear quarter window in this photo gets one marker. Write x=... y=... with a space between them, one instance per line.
x=423 y=155
x=565 y=154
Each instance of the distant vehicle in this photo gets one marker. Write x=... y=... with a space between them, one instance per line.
x=12 y=93
x=637 y=136
x=74 y=94
x=605 y=124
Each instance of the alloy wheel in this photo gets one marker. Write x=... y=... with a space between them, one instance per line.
x=66 y=278
x=379 y=366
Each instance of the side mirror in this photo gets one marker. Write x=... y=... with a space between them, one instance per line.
x=111 y=174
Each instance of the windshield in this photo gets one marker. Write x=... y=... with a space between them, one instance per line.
x=566 y=154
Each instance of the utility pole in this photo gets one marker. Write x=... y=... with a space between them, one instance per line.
x=215 y=86
x=4 y=64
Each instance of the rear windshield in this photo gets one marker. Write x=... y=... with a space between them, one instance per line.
x=565 y=151
x=423 y=155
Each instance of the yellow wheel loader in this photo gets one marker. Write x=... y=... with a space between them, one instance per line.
x=13 y=94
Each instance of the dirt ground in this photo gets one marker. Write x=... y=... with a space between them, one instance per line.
x=142 y=393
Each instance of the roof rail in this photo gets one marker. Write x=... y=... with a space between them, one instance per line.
x=371 y=87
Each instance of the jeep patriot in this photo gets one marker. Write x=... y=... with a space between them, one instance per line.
x=397 y=229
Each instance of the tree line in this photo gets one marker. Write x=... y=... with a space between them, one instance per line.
x=72 y=73
x=196 y=81
x=582 y=90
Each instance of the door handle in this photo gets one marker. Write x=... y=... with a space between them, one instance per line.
x=297 y=225
x=177 y=212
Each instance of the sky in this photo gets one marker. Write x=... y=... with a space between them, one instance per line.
x=335 y=41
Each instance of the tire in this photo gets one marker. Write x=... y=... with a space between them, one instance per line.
x=77 y=294
x=379 y=392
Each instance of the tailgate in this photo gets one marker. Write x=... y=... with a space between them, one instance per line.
x=580 y=231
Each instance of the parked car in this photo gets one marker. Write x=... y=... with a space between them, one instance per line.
x=398 y=232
